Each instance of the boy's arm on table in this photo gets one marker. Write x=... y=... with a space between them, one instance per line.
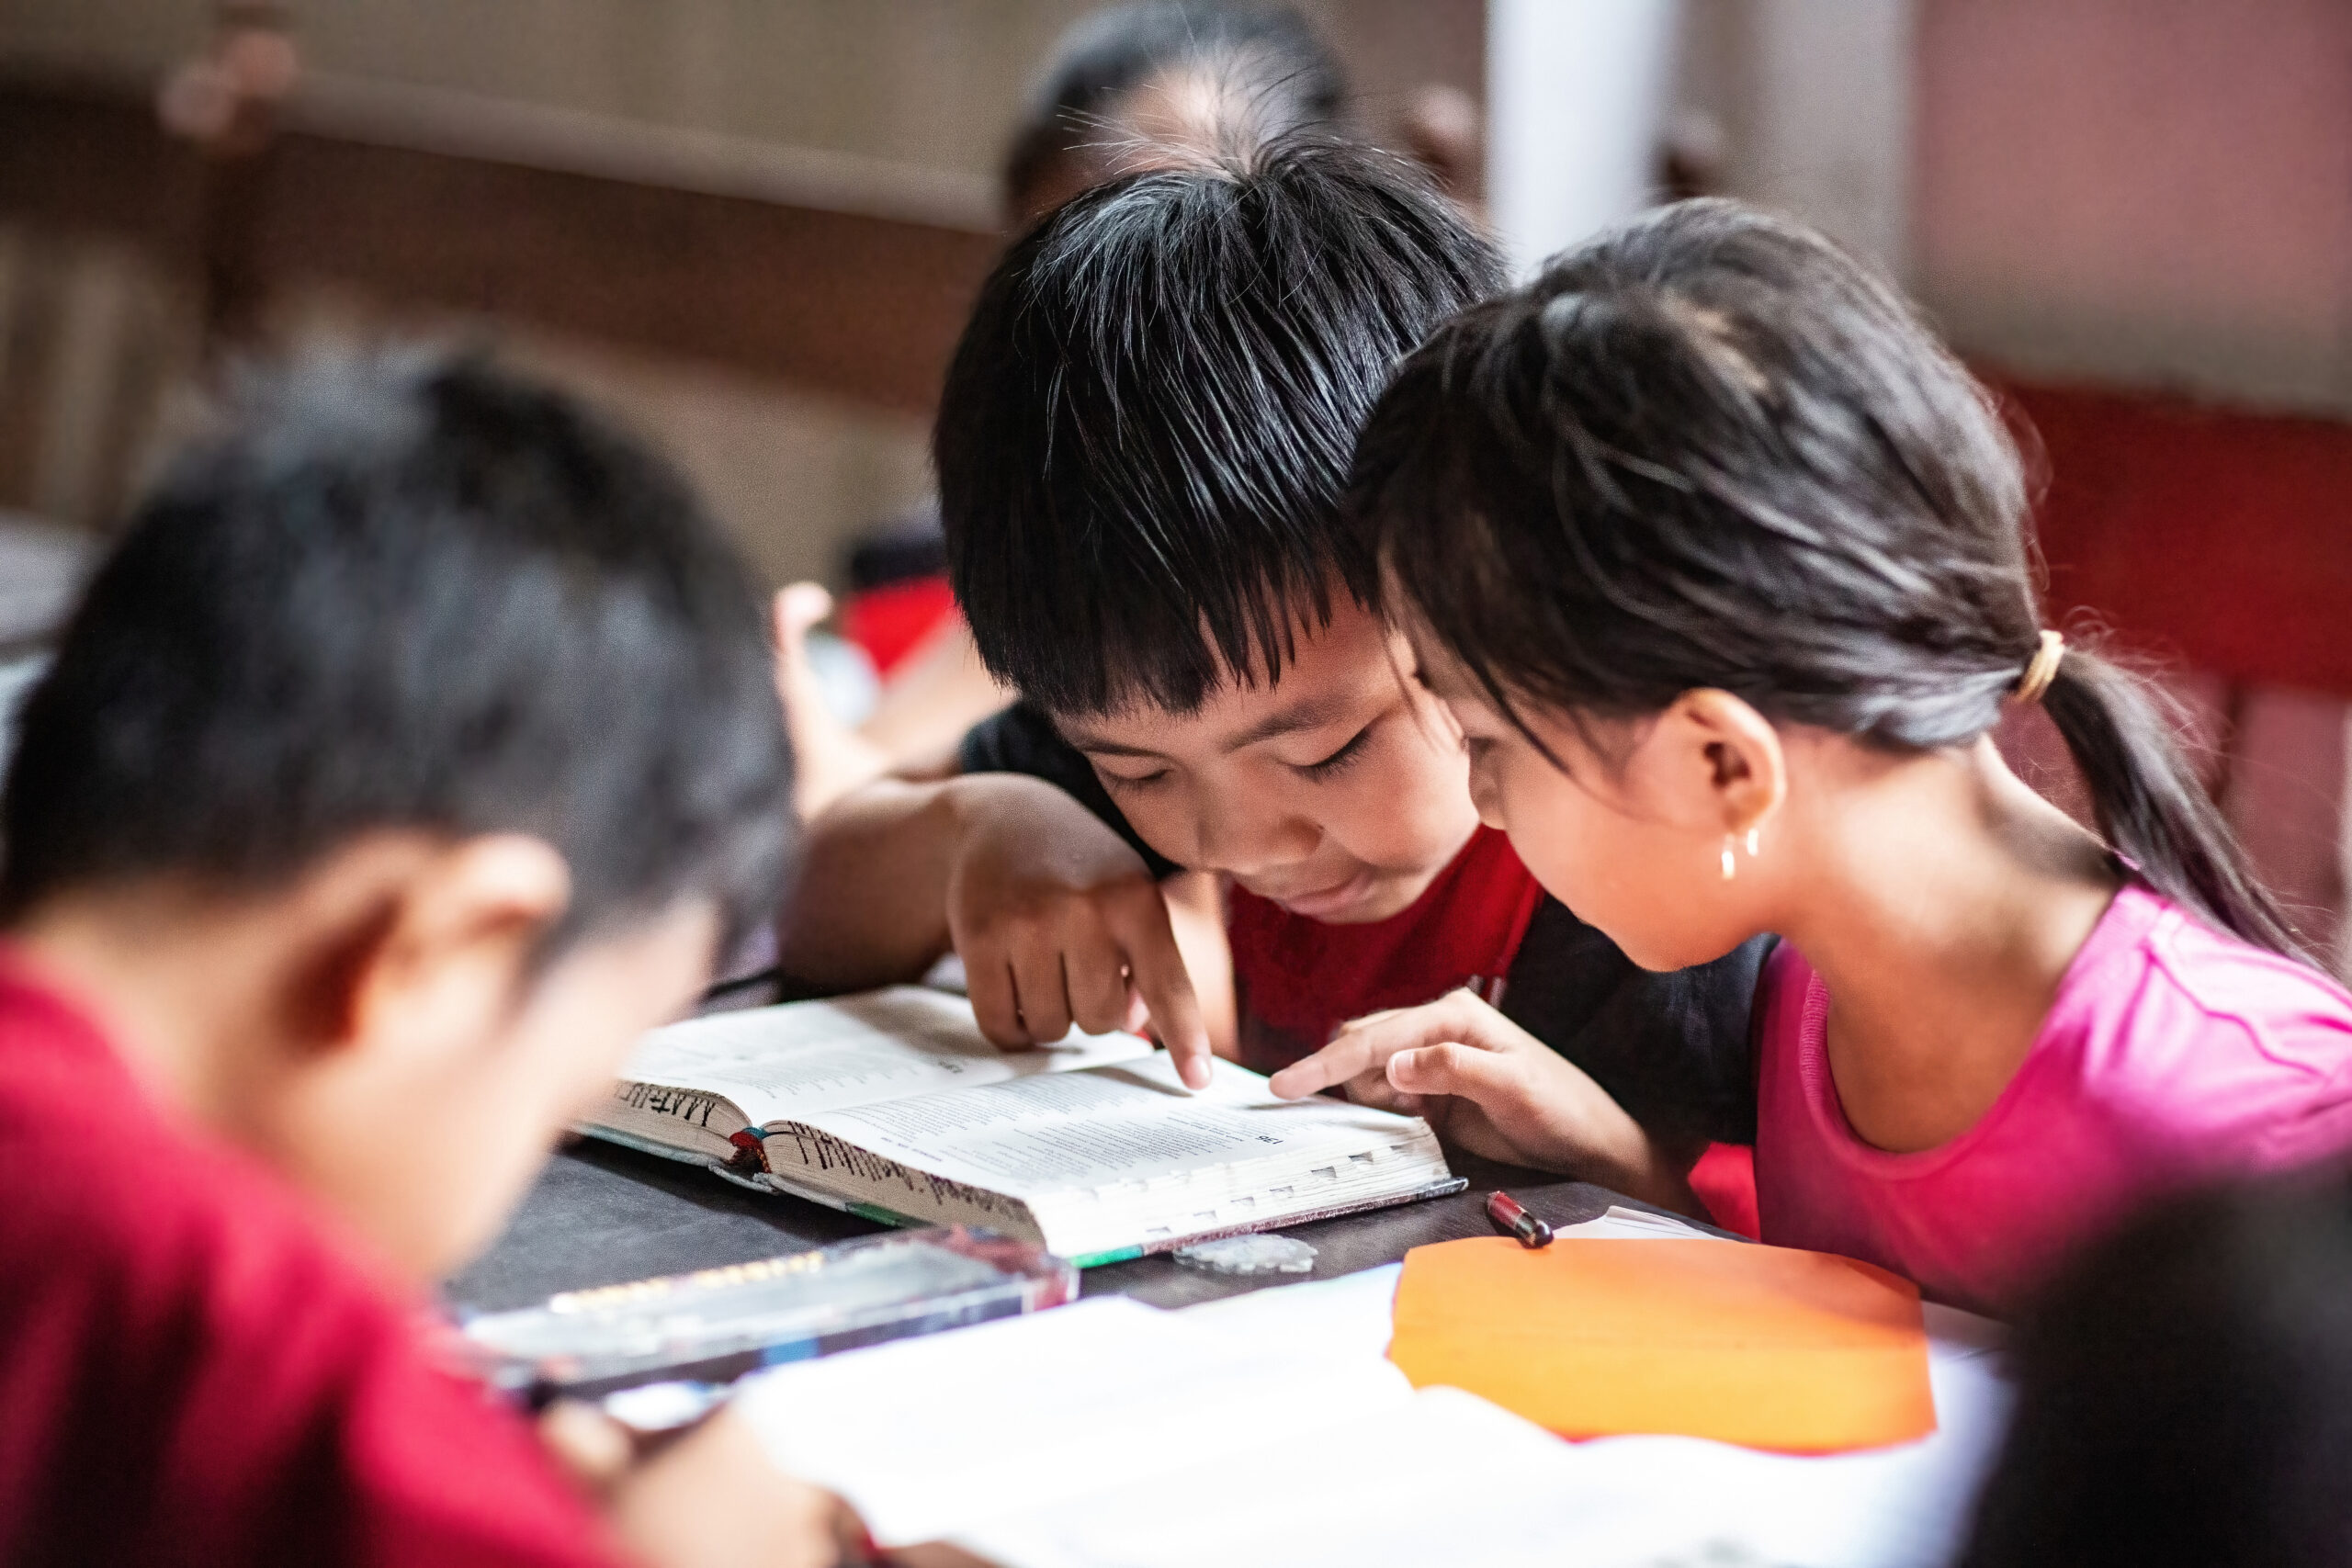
x=1057 y=918
x=1489 y=1085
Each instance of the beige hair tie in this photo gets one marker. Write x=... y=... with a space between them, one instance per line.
x=2042 y=670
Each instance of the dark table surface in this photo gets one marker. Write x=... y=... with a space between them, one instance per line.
x=600 y=1214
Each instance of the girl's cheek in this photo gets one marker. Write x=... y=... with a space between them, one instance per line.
x=1574 y=844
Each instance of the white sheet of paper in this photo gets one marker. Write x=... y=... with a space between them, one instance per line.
x=931 y=1437
x=1441 y=1478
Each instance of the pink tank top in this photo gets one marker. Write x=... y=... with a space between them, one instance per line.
x=2171 y=1052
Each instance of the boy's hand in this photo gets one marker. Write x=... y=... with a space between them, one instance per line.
x=709 y=1497
x=1488 y=1086
x=1058 y=922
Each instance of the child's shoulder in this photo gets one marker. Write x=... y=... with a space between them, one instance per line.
x=2175 y=959
x=2222 y=1034
x=178 y=1305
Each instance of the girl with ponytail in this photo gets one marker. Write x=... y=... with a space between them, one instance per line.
x=1720 y=561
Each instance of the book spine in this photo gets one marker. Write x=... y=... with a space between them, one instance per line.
x=794 y=1148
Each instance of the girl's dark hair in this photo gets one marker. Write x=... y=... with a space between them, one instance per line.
x=1266 y=55
x=2185 y=1394
x=1708 y=449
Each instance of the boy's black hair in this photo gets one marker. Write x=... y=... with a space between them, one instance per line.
x=2185 y=1394
x=1707 y=449
x=1147 y=427
x=410 y=591
x=1265 y=57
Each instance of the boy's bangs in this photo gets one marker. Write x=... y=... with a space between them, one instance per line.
x=1172 y=650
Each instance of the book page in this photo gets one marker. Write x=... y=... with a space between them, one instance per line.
x=930 y=1437
x=1129 y=1125
x=803 y=1058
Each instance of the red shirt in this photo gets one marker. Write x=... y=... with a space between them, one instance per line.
x=1298 y=979
x=196 y=1369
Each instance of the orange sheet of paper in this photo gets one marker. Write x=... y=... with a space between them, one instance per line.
x=1796 y=1352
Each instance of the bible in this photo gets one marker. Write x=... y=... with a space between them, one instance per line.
x=893 y=1105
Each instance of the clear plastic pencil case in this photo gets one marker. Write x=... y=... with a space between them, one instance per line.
x=715 y=1325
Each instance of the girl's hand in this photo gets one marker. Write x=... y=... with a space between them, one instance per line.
x=1488 y=1086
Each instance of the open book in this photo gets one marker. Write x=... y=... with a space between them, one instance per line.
x=893 y=1105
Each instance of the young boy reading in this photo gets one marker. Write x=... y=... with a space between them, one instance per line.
x=410 y=757
x=1141 y=446
x=1145 y=85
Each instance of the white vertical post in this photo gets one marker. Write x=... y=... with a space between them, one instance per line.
x=1830 y=137
x=1577 y=93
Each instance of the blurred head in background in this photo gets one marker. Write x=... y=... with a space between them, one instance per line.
x=1160 y=82
x=2185 y=1395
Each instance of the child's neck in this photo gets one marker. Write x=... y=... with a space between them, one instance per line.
x=178 y=997
x=1941 y=902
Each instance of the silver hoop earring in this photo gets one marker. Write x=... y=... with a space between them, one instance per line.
x=1731 y=866
x=1755 y=842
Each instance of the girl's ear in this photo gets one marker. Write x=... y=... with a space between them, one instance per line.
x=1726 y=771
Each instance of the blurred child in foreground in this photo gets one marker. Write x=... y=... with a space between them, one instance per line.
x=337 y=882
x=2185 y=1394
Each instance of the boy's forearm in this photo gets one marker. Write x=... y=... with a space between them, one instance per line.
x=869 y=907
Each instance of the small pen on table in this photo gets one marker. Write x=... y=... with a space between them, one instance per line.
x=1504 y=1212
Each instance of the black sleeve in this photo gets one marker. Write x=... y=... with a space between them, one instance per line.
x=1022 y=739
x=1673 y=1049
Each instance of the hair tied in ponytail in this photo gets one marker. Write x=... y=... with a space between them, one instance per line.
x=2041 y=669
x=1586 y=499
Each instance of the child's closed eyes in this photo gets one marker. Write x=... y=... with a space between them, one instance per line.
x=1338 y=760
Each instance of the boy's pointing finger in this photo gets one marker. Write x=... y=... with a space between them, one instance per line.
x=1157 y=969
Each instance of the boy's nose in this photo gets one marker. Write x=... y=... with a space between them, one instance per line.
x=1250 y=844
